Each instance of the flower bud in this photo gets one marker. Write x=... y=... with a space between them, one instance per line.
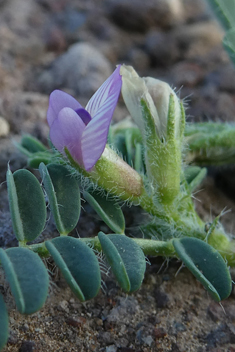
x=156 y=94
x=160 y=92
x=159 y=115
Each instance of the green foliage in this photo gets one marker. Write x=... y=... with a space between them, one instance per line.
x=194 y=175
x=128 y=141
x=210 y=143
x=161 y=187
x=225 y=11
x=4 y=330
x=108 y=210
x=27 y=205
x=63 y=194
x=126 y=259
x=229 y=43
x=206 y=264
x=32 y=144
x=35 y=159
x=27 y=276
x=78 y=265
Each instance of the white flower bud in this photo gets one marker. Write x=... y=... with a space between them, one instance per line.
x=160 y=92
x=133 y=90
x=157 y=95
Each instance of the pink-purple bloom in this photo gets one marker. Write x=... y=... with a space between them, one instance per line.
x=82 y=131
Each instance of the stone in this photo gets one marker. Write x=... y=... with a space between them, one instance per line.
x=82 y=68
x=161 y=298
x=111 y=348
x=198 y=40
x=27 y=346
x=161 y=47
x=186 y=74
x=4 y=127
x=139 y=59
x=139 y=16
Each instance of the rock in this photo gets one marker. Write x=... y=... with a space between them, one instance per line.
x=138 y=59
x=226 y=78
x=194 y=10
x=225 y=107
x=214 y=311
x=159 y=333
x=138 y=15
x=220 y=336
x=161 y=47
x=25 y=112
x=178 y=327
x=55 y=39
x=125 y=306
x=4 y=127
x=186 y=74
x=27 y=346
x=197 y=40
x=148 y=340
x=111 y=348
x=161 y=298
x=174 y=348
x=82 y=68
x=78 y=322
x=9 y=154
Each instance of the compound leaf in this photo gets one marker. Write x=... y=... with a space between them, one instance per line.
x=32 y=144
x=108 y=210
x=206 y=264
x=229 y=43
x=4 y=330
x=126 y=259
x=35 y=159
x=27 y=205
x=63 y=194
x=78 y=265
x=27 y=276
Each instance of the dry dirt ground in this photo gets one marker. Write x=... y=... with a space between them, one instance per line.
x=74 y=46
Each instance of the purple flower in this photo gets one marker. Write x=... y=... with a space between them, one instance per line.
x=83 y=131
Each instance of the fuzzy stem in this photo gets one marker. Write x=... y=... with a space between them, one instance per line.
x=157 y=248
x=114 y=175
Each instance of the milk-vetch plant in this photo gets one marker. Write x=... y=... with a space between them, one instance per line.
x=151 y=161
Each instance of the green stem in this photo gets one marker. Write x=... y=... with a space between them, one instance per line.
x=217 y=239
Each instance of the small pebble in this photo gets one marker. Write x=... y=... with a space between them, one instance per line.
x=111 y=348
x=4 y=127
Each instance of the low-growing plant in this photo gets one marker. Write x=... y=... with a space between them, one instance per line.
x=154 y=161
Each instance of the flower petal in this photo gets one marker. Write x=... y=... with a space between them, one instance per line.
x=57 y=101
x=85 y=116
x=66 y=131
x=95 y=135
x=133 y=90
x=111 y=86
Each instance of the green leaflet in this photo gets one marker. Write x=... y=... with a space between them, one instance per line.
x=229 y=43
x=27 y=276
x=108 y=210
x=206 y=264
x=78 y=265
x=225 y=11
x=27 y=205
x=194 y=175
x=35 y=159
x=4 y=330
x=32 y=144
x=126 y=259
x=63 y=194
